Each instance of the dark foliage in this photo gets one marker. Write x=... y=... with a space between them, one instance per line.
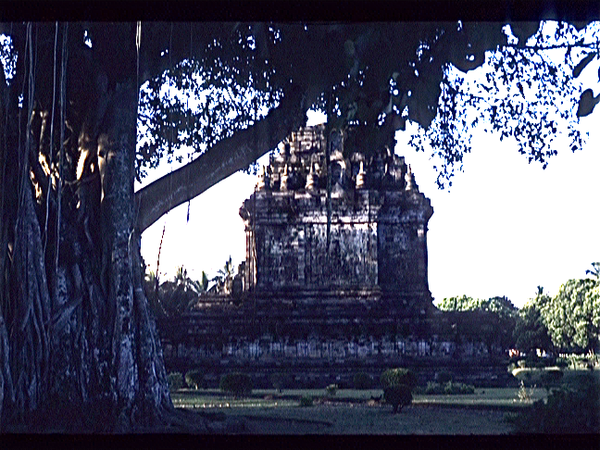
x=398 y=376
x=490 y=321
x=362 y=380
x=176 y=381
x=570 y=409
x=448 y=388
x=398 y=396
x=236 y=383
x=195 y=379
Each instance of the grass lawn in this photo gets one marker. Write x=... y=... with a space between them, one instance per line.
x=354 y=412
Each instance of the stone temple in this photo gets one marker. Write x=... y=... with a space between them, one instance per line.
x=334 y=280
x=370 y=242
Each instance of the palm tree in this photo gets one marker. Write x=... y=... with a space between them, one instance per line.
x=226 y=272
x=180 y=295
x=182 y=279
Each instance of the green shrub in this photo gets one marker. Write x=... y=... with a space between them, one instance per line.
x=433 y=388
x=398 y=396
x=362 y=380
x=563 y=363
x=397 y=377
x=443 y=377
x=449 y=388
x=281 y=381
x=236 y=383
x=306 y=400
x=194 y=379
x=567 y=410
x=331 y=390
x=176 y=381
x=533 y=376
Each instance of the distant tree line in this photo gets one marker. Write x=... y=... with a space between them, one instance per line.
x=569 y=321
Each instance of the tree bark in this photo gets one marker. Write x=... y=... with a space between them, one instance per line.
x=139 y=376
x=79 y=349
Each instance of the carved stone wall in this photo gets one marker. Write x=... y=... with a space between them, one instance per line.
x=377 y=222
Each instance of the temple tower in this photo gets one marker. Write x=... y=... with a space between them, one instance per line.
x=370 y=243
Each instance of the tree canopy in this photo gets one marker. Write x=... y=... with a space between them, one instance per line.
x=370 y=79
x=490 y=320
x=573 y=315
x=530 y=330
x=208 y=90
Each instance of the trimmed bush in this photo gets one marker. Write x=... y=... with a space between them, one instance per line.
x=397 y=377
x=194 y=379
x=281 y=381
x=236 y=383
x=305 y=401
x=449 y=388
x=331 y=390
x=532 y=377
x=362 y=380
x=398 y=385
x=443 y=377
x=176 y=381
x=398 y=396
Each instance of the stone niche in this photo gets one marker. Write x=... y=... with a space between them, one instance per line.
x=377 y=222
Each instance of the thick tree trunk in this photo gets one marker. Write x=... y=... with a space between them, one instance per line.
x=79 y=349
x=139 y=376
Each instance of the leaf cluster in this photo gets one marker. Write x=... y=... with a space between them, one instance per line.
x=398 y=376
x=572 y=317
x=490 y=320
x=195 y=379
x=236 y=383
x=174 y=297
x=530 y=329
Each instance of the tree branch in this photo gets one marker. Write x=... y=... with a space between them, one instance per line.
x=220 y=161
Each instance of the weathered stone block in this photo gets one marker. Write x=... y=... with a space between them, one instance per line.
x=373 y=236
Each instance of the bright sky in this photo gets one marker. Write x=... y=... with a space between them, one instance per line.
x=504 y=228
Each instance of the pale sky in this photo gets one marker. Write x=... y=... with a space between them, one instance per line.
x=504 y=227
